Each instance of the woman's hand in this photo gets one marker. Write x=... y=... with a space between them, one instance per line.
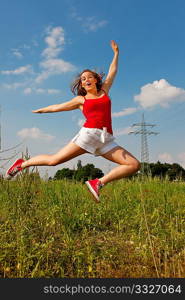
x=114 y=46
x=38 y=111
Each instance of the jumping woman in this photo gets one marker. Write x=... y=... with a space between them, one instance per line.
x=96 y=135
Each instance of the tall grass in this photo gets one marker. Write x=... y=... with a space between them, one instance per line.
x=55 y=229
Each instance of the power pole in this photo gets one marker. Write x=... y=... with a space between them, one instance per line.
x=144 y=143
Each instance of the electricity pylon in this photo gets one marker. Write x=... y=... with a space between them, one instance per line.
x=144 y=143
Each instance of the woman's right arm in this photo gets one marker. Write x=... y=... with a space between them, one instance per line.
x=70 y=105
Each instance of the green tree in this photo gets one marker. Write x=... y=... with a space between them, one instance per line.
x=176 y=172
x=172 y=171
x=64 y=173
x=158 y=169
x=87 y=172
x=83 y=173
x=79 y=164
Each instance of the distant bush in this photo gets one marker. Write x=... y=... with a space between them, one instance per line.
x=82 y=173
x=172 y=171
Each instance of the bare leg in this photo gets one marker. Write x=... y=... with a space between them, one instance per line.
x=128 y=164
x=68 y=152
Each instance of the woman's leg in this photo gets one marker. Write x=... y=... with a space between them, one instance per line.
x=128 y=164
x=68 y=152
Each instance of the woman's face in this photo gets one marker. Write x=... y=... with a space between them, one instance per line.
x=88 y=81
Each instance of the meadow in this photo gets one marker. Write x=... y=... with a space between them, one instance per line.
x=54 y=229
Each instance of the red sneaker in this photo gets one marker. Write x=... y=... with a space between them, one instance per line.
x=94 y=186
x=15 y=168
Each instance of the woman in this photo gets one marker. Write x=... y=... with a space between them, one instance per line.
x=96 y=136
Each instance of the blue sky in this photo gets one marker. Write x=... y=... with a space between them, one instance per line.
x=44 y=44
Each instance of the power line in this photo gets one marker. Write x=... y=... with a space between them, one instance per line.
x=6 y=150
x=2 y=151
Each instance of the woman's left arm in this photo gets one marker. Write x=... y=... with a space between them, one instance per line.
x=112 y=69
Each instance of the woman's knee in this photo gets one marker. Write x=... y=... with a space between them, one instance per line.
x=136 y=165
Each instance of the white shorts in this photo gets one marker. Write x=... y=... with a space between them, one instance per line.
x=95 y=141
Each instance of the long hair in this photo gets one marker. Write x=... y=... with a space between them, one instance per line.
x=76 y=86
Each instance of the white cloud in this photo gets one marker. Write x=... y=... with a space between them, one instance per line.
x=53 y=91
x=165 y=157
x=42 y=76
x=55 y=40
x=75 y=15
x=125 y=112
x=14 y=85
x=181 y=158
x=25 y=46
x=29 y=90
x=52 y=65
x=123 y=131
x=35 y=133
x=89 y=24
x=159 y=93
x=40 y=91
x=57 y=66
x=47 y=91
x=18 y=71
x=17 y=53
x=92 y=24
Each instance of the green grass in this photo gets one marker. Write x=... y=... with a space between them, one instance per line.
x=55 y=229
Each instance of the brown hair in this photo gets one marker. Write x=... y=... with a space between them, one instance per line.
x=76 y=86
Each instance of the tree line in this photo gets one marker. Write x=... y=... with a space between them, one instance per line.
x=171 y=171
x=162 y=170
x=82 y=173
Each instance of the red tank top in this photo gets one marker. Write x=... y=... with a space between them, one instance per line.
x=98 y=113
